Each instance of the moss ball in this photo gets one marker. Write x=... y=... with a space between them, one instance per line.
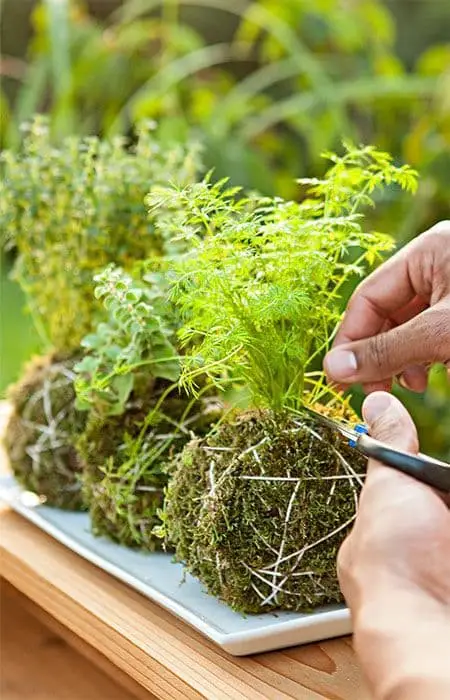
x=258 y=509
x=42 y=430
x=124 y=457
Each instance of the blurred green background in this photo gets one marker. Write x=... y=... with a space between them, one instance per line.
x=268 y=84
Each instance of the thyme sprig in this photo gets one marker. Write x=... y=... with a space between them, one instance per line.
x=72 y=209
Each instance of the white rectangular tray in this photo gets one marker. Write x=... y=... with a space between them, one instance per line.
x=164 y=582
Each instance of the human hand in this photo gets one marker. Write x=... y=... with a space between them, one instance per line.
x=398 y=320
x=394 y=571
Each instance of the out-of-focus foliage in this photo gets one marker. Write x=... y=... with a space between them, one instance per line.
x=291 y=80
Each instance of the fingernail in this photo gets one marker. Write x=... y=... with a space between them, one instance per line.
x=375 y=405
x=341 y=364
x=402 y=381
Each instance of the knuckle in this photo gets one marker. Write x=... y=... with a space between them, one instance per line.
x=436 y=242
x=439 y=230
x=439 y=325
x=378 y=351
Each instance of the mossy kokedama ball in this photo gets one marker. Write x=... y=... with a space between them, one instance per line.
x=258 y=510
x=124 y=474
x=42 y=430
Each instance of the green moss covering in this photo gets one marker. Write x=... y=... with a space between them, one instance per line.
x=42 y=429
x=261 y=544
x=125 y=456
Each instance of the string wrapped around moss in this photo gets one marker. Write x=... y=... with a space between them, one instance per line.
x=42 y=430
x=124 y=458
x=258 y=510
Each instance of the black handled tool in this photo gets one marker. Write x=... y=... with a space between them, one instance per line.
x=422 y=467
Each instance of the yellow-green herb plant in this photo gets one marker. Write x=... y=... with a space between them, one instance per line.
x=258 y=509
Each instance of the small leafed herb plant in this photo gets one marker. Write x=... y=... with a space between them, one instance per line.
x=139 y=418
x=258 y=509
x=72 y=209
x=137 y=339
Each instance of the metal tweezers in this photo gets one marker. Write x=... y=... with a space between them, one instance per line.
x=422 y=467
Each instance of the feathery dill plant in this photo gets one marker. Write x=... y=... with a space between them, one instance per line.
x=138 y=416
x=72 y=209
x=260 y=292
x=258 y=509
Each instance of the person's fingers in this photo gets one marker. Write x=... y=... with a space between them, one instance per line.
x=379 y=297
x=349 y=332
x=414 y=378
x=402 y=287
x=397 y=294
x=370 y=387
x=423 y=339
x=389 y=421
x=407 y=312
x=344 y=567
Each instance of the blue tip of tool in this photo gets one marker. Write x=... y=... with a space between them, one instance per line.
x=361 y=429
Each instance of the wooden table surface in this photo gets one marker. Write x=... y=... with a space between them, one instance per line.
x=160 y=654
x=41 y=660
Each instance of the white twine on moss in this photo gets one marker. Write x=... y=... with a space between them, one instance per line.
x=257 y=591
x=206 y=448
x=270 y=574
x=230 y=467
x=274 y=593
x=307 y=547
x=347 y=466
x=261 y=537
x=287 y=518
x=150 y=489
x=336 y=477
x=51 y=436
x=277 y=588
x=211 y=477
x=296 y=574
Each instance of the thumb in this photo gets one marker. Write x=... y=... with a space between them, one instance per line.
x=422 y=340
x=387 y=490
x=389 y=422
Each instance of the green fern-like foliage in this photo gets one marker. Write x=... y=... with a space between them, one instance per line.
x=260 y=291
x=72 y=209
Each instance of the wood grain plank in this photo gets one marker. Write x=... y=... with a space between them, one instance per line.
x=37 y=664
x=161 y=653
x=12 y=597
